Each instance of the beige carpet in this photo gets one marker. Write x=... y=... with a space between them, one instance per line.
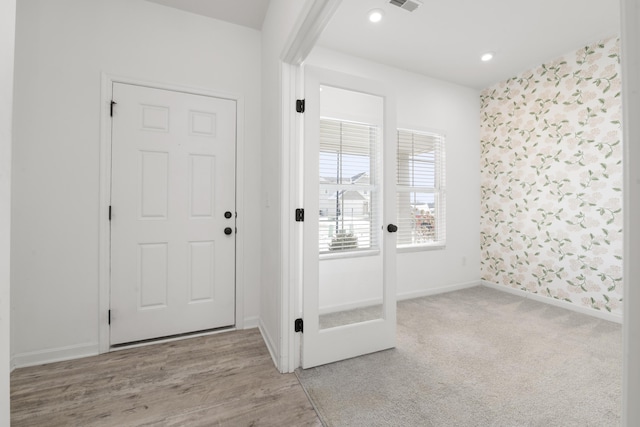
x=479 y=357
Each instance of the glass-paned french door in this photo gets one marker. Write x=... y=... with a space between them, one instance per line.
x=350 y=206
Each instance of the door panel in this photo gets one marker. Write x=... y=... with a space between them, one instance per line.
x=173 y=179
x=349 y=193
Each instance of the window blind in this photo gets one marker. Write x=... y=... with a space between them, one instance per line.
x=348 y=186
x=421 y=188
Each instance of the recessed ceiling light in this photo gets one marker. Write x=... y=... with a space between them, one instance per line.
x=487 y=57
x=375 y=15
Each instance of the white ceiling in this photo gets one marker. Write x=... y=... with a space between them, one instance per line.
x=248 y=13
x=445 y=38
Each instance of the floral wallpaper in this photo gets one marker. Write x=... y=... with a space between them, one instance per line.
x=551 y=179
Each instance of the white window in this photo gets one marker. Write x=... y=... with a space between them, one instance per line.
x=421 y=189
x=348 y=187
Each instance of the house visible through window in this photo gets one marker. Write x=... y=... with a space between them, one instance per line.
x=421 y=189
x=348 y=186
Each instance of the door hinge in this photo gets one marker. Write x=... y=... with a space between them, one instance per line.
x=112 y=104
x=298 y=325
x=109 y=212
x=300 y=105
x=109 y=317
x=299 y=215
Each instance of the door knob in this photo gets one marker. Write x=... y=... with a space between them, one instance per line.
x=228 y=231
x=228 y=214
x=392 y=228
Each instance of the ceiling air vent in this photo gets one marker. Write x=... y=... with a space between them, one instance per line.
x=409 y=5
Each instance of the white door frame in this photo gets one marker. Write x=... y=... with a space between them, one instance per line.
x=630 y=37
x=313 y=20
x=105 y=195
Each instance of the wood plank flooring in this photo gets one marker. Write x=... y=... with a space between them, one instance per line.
x=226 y=379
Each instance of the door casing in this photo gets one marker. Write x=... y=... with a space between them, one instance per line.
x=105 y=195
x=312 y=21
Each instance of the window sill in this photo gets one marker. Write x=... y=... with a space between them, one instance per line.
x=350 y=254
x=421 y=248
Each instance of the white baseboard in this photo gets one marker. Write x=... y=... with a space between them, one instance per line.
x=558 y=303
x=40 y=357
x=399 y=297
x=34 y=358
x=436 y=291
x=349 y=306
x=268 y=341
x=251 y=322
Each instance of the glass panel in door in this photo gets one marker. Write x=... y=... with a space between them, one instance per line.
x=350 y=281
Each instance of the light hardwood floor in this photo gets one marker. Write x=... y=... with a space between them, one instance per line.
x=226 y=379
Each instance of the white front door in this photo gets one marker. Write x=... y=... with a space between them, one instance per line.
x=172 y=213
x=349 y=305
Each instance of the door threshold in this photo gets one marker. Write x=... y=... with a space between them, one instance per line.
x=171 y=338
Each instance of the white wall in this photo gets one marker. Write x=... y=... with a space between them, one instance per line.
x=347 y=283
x=424 y=103
x=63 y=46
x=278 y=24
x=7 y=33
x=631 y=110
